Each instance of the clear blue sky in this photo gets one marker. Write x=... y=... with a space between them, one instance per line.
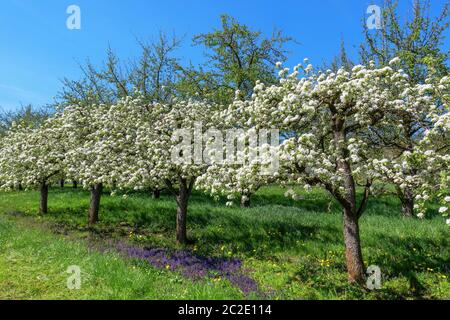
x=37 y=50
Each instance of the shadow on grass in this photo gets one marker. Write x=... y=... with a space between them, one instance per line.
x=209 y=224
x=408 y=258
x=411 y=255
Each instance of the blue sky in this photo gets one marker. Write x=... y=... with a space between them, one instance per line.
x=37 y=50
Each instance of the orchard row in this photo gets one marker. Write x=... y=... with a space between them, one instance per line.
x=339 y=130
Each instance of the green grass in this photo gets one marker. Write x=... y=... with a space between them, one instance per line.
x=33 y=265
x=294 y=249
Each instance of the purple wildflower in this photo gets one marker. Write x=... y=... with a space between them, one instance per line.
x=193 y=266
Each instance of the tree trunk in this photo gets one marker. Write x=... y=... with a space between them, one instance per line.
x=408 y=206
x=353 y=254
x=407 y=200
x=245 y=201
x=156 y=193
x=20 y=187
x=181 y=223
x=96 y=192
x=407 y=195
x=43 y=199
x=182 y=201
x=61 y=183
x=74 y=184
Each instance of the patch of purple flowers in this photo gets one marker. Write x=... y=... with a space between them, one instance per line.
x=193 y=266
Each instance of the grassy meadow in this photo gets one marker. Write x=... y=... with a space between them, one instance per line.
x=288 y=249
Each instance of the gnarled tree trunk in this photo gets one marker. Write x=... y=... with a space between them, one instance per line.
x=74 y=184
x=181 y=221
x=156 y=193
x=61 y=183
x=182 y=198
x=407 y=199
x=353 y=254
x=182 y=201
x=96 y=192
x=43 y=198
